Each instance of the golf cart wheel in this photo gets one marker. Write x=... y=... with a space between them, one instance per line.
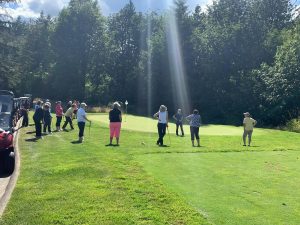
x=9 y=164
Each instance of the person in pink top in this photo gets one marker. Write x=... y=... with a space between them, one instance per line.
x=59 y=115
x=115 y=118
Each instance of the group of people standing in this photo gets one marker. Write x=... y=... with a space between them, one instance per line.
x=78 y=111
x=43 y=115
x=194 y=120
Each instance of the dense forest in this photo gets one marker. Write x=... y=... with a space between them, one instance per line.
x=237 y=56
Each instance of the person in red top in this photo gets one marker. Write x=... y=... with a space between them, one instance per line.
x=59 y=115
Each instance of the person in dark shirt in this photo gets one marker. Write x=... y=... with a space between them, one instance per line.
x=115 y=118
x=24 y=114
x=37 y=118
x=47 y=118
x=27 y=105
x=178 y=117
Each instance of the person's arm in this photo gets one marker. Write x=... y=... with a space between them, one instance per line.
x=174 y=117
x=84 y=116
x=155 y=115
x=188 y=118
x=244 y=124
x=120 y=116
x=254 y=122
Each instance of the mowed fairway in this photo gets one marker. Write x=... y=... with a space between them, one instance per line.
x=140 y=183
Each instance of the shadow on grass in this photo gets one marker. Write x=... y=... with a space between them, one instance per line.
x=76 y=142
x=32 y=139
x=112 y=145
x=30 y=132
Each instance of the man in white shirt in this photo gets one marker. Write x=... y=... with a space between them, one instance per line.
x=248 y=124
x=81 y=119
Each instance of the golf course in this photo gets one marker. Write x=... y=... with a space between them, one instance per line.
x=138 y=182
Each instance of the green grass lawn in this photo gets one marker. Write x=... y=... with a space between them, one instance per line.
x=140 y=183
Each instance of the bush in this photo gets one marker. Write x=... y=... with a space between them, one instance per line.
x=293 y=125
x=103 y=109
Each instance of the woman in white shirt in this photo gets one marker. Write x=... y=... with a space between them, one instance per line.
x=162 y=116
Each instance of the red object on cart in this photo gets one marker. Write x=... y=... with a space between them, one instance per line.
x=6 y=140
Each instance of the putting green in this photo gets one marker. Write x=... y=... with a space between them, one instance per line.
x=142 y=124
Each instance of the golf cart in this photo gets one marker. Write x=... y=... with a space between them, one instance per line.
x=7 y=111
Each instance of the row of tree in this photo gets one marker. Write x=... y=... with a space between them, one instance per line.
x=238 y=55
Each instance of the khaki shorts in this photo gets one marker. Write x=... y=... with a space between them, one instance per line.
x=248 y=133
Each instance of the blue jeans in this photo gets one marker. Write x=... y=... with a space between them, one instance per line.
x=81 y=126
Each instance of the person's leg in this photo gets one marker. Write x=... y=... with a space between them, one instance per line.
x=192 y=136
x=197 y=135
x=158 y=131
x=45 y=127
x=38 y=129
x=250 y=137
x=65 y=123
x=118 y=130
x=163 y=127
x=57 y=125
x=112 y=131
x=181 y=127
x=81 y=126
x=23 y=122
x=244 y=137
x=177 y=125
x=80 y=132
x=49 y=126
x=26 y=121
x=59 y=121
x=71 y=123
x=160 y=134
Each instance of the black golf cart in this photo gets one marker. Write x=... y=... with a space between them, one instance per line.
x=7 y=114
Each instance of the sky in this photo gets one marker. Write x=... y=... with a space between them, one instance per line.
x=32 y=8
